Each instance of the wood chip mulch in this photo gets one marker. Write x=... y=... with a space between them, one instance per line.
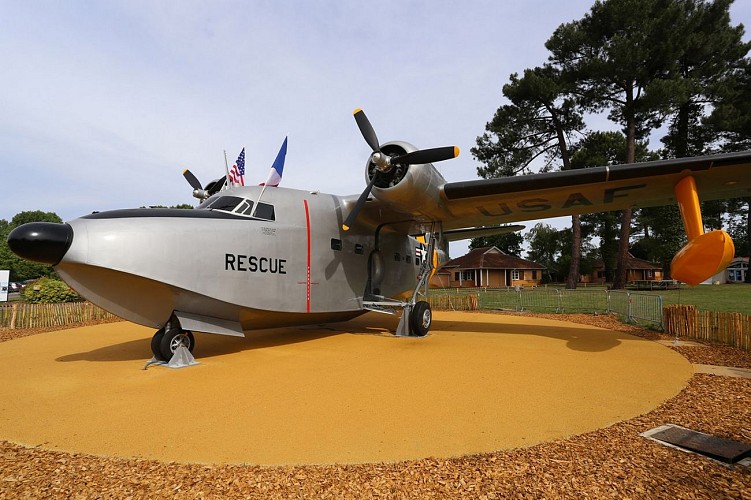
x=613 y=462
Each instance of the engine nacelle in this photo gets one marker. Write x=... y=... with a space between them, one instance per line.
x=409 y=188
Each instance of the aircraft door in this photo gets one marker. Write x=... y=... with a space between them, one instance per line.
x=376 y=272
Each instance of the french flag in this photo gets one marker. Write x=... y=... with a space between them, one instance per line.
x=275 y=175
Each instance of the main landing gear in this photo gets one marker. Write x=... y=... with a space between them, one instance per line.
x=420 y=319
x=417 y=317
x=167 y=339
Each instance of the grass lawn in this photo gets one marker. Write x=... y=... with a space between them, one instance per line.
x=727 y=298
x=734 y=297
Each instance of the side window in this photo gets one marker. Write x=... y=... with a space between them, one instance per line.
x=265 y=211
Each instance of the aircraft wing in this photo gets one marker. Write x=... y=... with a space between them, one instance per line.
x=599 y=189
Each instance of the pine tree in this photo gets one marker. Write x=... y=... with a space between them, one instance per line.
x=536 y=126
x=621 y=56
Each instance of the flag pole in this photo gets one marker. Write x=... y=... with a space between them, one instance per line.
x=255 y=207
x=226 y=170
x=277 y=168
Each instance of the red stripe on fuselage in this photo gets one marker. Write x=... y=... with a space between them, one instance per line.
x=307 y=277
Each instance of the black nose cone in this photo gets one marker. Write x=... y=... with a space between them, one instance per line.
x=44 y=242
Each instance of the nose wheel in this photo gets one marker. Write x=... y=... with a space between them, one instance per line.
x=165 y=342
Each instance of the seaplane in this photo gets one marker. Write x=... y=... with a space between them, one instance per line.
x=240 y=262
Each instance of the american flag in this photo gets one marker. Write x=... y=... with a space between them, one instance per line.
x=237 y=172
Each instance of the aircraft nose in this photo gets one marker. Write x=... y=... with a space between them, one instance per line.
x=44 y=242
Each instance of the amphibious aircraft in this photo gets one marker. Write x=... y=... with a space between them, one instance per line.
x=304 y=257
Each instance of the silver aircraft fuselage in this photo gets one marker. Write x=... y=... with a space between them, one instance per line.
x=293 y=266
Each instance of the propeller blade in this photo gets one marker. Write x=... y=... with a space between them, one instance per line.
x=366 y=129
x=216 y=185
x=352 y=217
x=192 y=179
x=432 y=155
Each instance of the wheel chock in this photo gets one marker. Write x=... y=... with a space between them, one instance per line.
x=182 y=358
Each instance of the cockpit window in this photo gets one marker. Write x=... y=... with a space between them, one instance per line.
x=239 y=206
x=226 y=203
x=245 y=207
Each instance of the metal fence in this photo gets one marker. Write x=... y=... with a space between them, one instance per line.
x=632 y=306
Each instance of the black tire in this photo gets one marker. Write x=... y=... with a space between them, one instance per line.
x=420 y=319
x=156 y=344
x=172 y=340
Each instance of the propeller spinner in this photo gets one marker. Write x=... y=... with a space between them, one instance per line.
x=384 y=163
x=200 y=192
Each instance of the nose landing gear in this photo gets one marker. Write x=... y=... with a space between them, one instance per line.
x=167 y=339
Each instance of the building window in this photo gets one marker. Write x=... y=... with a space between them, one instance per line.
x=408 y=259
x=534 y=275
x=468 y=275
x=515 y=275
x=336 y=244
x=397 y=257
x=359 y=249
x=650 y=273
x=456 y=276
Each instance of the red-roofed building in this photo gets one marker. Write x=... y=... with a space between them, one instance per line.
x=487 y=267
x=637 y=270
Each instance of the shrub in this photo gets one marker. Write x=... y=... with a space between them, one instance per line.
x=49 y=291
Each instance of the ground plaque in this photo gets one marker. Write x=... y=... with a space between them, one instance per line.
x=724 y=450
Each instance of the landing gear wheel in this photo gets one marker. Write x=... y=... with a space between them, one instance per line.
x=420 y=319
x=173 y=339
x=156 y=344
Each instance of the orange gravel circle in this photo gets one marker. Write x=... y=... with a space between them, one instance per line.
x=343 y=393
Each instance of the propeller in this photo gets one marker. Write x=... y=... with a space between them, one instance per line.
x=358 y=206
x=384 y=163
x=198 y=190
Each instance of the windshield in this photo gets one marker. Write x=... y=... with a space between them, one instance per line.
x=239 y=206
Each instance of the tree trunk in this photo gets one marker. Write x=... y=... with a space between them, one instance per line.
x=621 y=269
x=681 y=142
x=748 y=240
x=576 y=246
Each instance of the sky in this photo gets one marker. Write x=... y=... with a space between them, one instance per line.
x=103 y=104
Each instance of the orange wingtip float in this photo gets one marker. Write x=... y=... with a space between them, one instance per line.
x=705 y=254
